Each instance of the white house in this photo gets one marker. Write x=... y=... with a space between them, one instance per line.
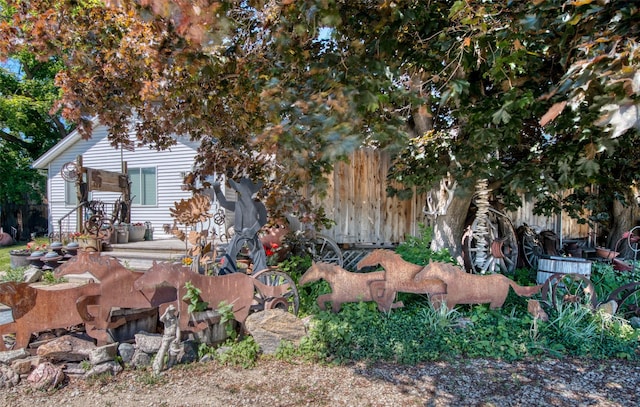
x=156 y=178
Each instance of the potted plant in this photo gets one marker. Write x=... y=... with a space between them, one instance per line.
x=137 y=231
x=19 y=258
x=90 y=243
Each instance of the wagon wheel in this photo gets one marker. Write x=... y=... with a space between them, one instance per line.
x=500 y=249
x=275 y=289
x=93 y=225
x=69 y=171
x=326 y=250
x=562 y=289
x=633 y=240
x=106 y=230
x=627 y=297
x=532 y=248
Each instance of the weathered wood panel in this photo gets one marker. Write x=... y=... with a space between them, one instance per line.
x=570 y=228
x=358 y=202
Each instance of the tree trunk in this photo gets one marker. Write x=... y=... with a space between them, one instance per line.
x=624 y=219
x=449 y=228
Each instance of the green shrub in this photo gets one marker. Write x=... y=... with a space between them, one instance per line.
x=15 y=275
x=417 y=249
x=243 y=353
x=418 y=333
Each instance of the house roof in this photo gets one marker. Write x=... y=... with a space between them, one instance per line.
x=43 y=161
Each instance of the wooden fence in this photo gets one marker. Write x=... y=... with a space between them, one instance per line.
x=365 y=215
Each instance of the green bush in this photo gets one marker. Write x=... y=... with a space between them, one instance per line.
x=417 y=249
x=243 y=353
x=418 y=332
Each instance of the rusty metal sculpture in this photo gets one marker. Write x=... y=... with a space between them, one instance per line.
x=193 y=213
x=115 y=290
x=345 y=286
x=465 y=288
x=236 y=289
x=399 y=277
x=250 y=217
x=39 y=309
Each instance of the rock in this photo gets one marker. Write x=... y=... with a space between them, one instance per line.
x=103 y=354
x=109 y=367
x=11 y=355
x=140 y=359
x=609 y=307
x=67 y=348
x=126 y=351
x=8 y=377
x=188 y=352
x=272 y=326
x=148 y=343
x=32 y=274
x=75 y=369
x=635 y=322
x=46 y=376
x=24 y=366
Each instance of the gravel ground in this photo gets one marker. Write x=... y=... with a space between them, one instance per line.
x=474 y=382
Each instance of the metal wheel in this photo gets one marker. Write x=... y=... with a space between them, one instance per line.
x=93 y=224
x=106 y=230
x=633 y=240
x=561 y=289
x=498 y=248
x=69 y=171
x=275 y=290
x=326 y=250
x=628 y=299
x=532 y=248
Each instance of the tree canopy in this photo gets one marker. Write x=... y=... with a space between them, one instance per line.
x=536 y=96
x=28 y=128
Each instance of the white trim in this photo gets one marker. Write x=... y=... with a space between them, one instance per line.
x=44 y=160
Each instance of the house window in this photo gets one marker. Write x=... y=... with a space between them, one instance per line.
x=143 y=186
x=70 y=195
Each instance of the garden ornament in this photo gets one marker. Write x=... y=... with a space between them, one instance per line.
x=170 y=338
x=250 y=216
x=116 y=291
x=399 y=277
x=345 y=286
x=236 y=289
x=39 y=309
x=465 y=288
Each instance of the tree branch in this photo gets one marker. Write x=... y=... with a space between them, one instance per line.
x=15 y=140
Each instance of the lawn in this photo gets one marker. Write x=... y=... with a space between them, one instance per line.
x=5 y=260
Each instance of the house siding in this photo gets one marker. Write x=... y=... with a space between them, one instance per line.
x=99 y=154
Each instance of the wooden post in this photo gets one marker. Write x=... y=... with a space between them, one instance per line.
x=79 y=181
x=126 y=193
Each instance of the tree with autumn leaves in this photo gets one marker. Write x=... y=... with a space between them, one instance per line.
x=534 y=96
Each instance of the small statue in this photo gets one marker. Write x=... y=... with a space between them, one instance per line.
x=170 y=340
x=250 y=216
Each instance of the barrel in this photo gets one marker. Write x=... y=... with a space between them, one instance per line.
x=547 y=266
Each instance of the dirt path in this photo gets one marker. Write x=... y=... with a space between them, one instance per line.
x=273 y=383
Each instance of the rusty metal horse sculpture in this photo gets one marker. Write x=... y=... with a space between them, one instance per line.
x=345 y=285
x=399 y=277
x=39 y=309
x=236 y=289
x=116 y=291
x=466 y=288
